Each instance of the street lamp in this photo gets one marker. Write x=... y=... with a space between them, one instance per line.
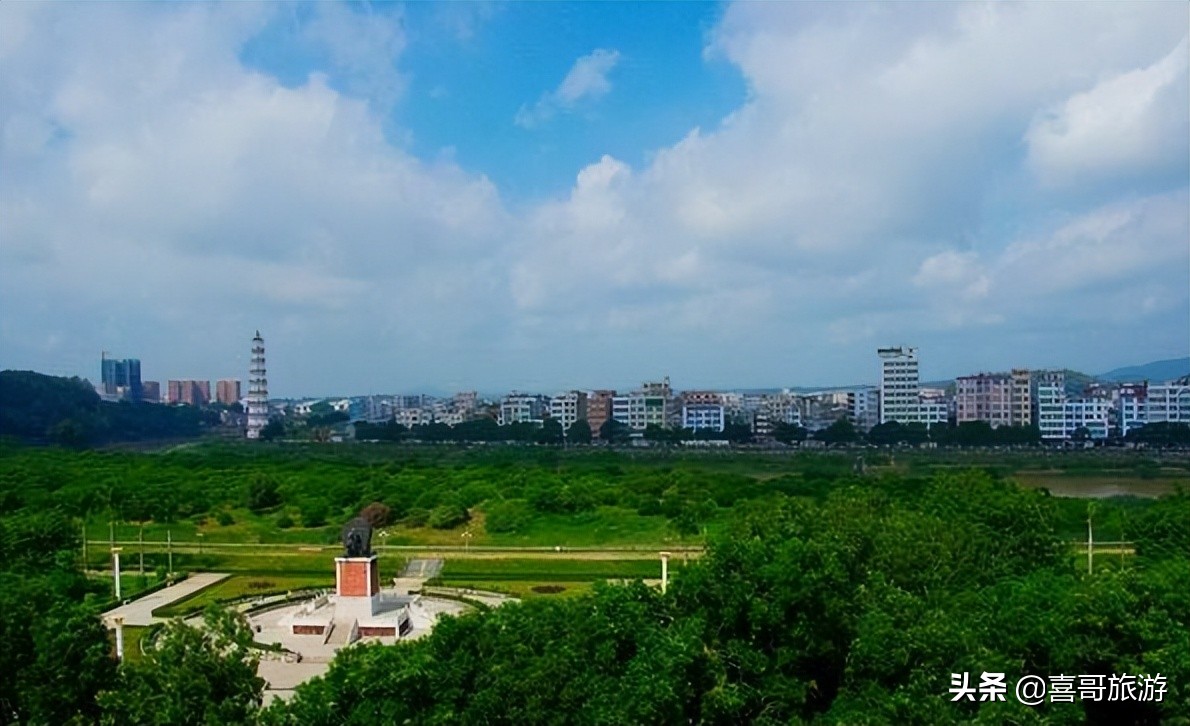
x=466 y=540
x=116 y=569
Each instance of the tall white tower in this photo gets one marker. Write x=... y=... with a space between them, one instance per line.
x=258 y=390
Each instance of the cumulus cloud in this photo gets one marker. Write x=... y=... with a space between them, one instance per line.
x=1127 y=124
x=897 y=173
x=586 y=80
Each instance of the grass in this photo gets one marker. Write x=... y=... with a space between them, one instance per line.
x=523 y=589
x=602 y=526
x=539 y=571
x=133 y=635
x=242 y=586
x=131 y=584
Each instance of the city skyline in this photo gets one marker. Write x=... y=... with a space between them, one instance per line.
x=539 y=197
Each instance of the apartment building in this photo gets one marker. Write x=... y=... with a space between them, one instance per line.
x=227 y=391
x=703 y=417
x=523 y=408
x=984 y=397
x=568 y=407
x=899 y=385
x=599 y=409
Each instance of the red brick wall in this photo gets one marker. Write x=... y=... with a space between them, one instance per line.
x=308 y=629
x=375 y=631
x=356 y=581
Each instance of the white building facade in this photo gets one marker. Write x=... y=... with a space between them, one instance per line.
x=899 y=385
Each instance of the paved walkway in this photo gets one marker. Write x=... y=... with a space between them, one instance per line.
x=140 y=611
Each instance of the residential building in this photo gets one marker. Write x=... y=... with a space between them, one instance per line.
x=522 y=408
x=1049 y=403
x=150 y=391
x=1021 y=413
x=899 y=385
x=1169 y=402
x=189 y=392
x=568 y=407
x=703 y=417
x=639 y=410
x=933 y=407
x=227 y=391
x=863 y=405
x=984 y=397
x=1131 y=405
x=599 y=409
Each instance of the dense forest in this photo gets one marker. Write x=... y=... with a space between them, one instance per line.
x=68 y=411
x=832 y=591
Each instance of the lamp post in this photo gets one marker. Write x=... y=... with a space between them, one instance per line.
x=466 y=540
x=116 y=569
x=664 y=572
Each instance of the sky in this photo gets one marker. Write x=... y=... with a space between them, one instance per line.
x=542 y=196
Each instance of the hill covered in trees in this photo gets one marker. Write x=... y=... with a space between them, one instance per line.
x=49 y=409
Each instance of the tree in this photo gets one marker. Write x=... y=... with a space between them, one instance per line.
x=614 y=432
x=550 y=432
x=377 y=514
x=263 y=492
x=842 y=431
x=579 y=432
x=274 y=429
x=788 y=433
x=194 y=676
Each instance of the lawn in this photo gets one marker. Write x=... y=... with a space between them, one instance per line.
x=539 y=571
x=523 y=589
x=242 y=586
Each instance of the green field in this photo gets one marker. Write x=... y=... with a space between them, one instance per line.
x=238 y=587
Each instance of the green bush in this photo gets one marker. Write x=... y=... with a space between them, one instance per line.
x=510 y=516
x=446 y=516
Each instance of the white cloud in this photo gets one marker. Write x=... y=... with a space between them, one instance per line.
x=587 y=80
x=872 y=188
x=1129 y=123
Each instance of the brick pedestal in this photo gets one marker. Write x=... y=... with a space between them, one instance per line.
x=357 y=586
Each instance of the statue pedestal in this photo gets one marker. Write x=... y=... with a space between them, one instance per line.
x=357 y=587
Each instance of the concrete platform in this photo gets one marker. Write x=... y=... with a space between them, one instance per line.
x=140 y=611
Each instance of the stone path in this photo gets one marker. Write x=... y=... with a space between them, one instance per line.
x=140 y=611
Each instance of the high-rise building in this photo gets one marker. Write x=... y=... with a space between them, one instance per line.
x=1022 y=397
x=120 y=378
x=150 y=391
x=258 y=390
x=189 y=392
x=984 y=397
x=227 y=391
x=1049 y=403
x=899 y=385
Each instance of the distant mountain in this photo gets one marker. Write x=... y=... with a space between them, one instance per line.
x=1156 y=372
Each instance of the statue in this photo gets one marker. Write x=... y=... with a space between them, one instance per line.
x=357 y=538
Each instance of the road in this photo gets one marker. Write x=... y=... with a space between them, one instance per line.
x=140 y=611
x=610 y=552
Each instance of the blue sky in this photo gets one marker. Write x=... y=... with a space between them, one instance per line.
x=467 y=69
x=444 y=196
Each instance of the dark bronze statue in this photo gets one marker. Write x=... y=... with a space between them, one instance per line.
x=357 y=538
